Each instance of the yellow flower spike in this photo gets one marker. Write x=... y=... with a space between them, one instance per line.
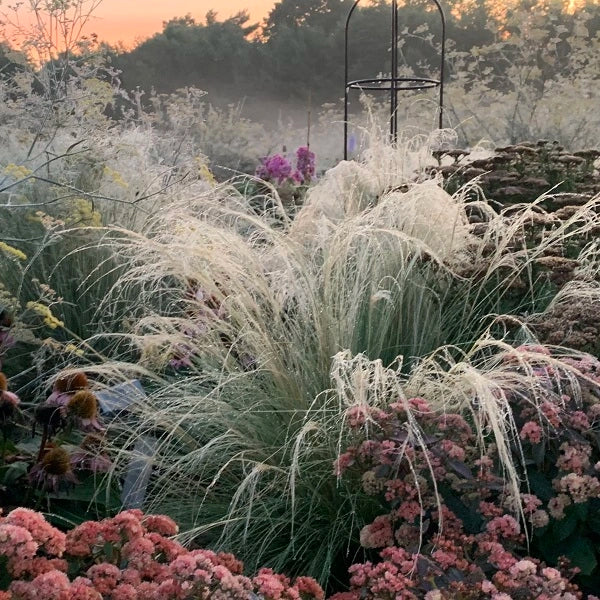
x=84 y=213
x=11 y=251
x=44 y=311
x=204 y=172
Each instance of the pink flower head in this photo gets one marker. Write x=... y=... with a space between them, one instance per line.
x=343 y=462
x=531 y=432
x=53 y=585
x=53 y=471
x=126 y=525
x=138 y=552
x=270 y=585
x=378 y=534
x=504 y=527
x=50 y=539
x=81 y=589
x=307 y=586
x=274 y=168
x=85 y=538
x=105 y=577
x=58 y=399
x=160 y=524
x=83 y=460
x=32 y=567
x=17 y=542
x=124 y=591
x=305 y=164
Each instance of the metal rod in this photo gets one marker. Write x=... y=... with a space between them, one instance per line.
x=442 y=64
x=346 y=75
x=394 y=73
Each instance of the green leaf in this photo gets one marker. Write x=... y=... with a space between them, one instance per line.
x=538 y=453
x=581 y=510
x=471 y=518
x=565 y=527
x=582 y=554
x=10 y=473
x=540 y=485
x=593 y=520
x=90 y=490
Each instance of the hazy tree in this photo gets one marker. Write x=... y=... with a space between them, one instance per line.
x=214 y=55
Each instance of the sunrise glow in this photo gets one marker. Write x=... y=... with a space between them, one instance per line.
x=127 y=22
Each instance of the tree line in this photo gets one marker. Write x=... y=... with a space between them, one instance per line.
x=298 y=51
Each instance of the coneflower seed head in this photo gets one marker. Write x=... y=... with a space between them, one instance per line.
x=83 y=404
x=56 y=462
x=71 y=382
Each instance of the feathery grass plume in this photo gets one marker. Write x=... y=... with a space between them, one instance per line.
x=253 y=315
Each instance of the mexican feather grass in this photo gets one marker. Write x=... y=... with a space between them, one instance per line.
x=375 y=290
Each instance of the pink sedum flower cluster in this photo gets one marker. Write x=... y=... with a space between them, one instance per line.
x=131 y=556
x=425 y=549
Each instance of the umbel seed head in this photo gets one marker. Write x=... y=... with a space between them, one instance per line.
x=71 y=382
x=83 y=404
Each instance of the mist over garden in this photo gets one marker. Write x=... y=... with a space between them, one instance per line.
x=234 y=366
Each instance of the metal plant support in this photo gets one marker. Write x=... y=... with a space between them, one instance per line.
x=393 y=84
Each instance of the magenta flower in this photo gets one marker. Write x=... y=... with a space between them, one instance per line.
x=305 y=163
x=274 y=168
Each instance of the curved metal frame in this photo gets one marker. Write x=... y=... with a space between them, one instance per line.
x=393 y=84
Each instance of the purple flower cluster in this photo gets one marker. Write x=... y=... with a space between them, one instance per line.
x=274 y=168
x=277 y=168
x=305 y=163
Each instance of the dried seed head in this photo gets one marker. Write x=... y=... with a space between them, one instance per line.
x=92 y=442
x=3 y=383
x=56 y=461
x=71 y=382
x=83 y=404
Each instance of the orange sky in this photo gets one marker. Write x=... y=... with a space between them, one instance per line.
x=128 y=20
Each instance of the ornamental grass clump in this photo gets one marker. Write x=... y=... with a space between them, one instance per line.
x=237 y=323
